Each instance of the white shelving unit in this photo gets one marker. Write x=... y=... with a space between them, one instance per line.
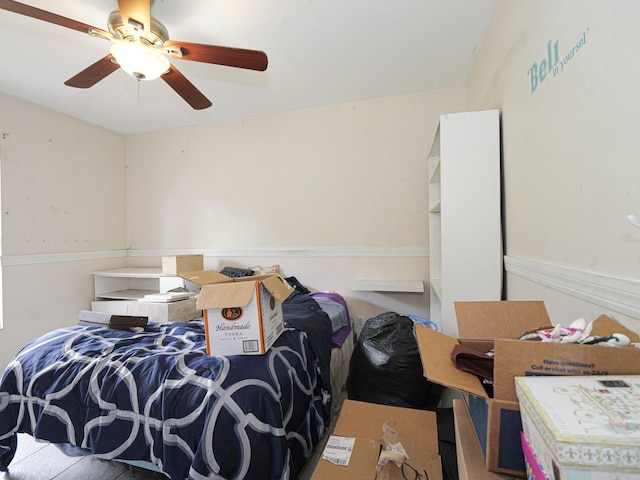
x=117 y=291
x=465 y=232
x=132 y=283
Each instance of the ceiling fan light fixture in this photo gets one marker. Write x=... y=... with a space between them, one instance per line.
x=140 y=61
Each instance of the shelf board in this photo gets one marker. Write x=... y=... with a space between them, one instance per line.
x=131 y=272
x=130 y=294
x=435 y=208
x=374 y=285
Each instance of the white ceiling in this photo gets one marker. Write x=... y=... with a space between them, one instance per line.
x=321 y=52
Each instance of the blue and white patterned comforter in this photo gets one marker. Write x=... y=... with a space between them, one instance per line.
x=156 y=396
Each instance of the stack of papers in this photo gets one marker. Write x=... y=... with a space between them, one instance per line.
x=165 y=297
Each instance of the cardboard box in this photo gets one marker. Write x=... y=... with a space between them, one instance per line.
x=486 y=325
x=418 y=434
x=178 y=264
x=243 y=316
x=471 y=464
x=583 y=428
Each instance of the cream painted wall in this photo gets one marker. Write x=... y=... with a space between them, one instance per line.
x=349 y=175
x=63 y=200
x=62 y=183
x=330 y=194
x=570 y=142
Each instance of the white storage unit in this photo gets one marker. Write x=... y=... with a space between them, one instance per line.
x=132 y=283
x=115 y=289
x=465 y=228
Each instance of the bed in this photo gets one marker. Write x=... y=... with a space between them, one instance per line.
x=153 y=397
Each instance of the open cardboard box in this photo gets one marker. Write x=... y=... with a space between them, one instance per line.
x=497 y=325
x=242 y=316
x=418 y=434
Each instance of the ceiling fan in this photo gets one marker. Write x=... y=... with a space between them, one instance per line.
x=140 y=45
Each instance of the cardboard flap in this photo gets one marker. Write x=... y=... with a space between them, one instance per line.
x=278 y=287
x=604 y=325
x=435 y=353
x=490 y=320
x=226 y=295
x=251 y=278
x=205 y=277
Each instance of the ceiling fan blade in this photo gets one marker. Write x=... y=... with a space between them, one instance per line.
x=231 y=57
x=94 y=73
x=136 y=13
x=43 y=15
x=186 y=89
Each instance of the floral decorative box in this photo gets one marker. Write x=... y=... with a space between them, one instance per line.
x=585 y=427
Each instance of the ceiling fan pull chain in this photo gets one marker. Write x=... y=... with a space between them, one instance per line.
x=138 y=88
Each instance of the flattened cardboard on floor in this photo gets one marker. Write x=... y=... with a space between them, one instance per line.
x=362 y=464
x=485 y=325
x=418 y=433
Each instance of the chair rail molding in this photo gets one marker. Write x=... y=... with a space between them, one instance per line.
x=292 y=252
x=618 y=294
x=41 y=258
x=255 y=252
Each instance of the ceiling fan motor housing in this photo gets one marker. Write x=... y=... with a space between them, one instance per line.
x=157 y=36
x=137 y=52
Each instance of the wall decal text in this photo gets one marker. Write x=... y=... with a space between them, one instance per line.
x=553 y=63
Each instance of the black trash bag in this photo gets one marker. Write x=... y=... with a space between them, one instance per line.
x=386 y=368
